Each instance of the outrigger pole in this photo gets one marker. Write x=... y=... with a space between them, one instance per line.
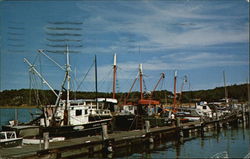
x=66 y=78
x=32 y=68
x=96 y=90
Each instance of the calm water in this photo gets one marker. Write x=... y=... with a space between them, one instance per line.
x=22 y=114
x=235 y=141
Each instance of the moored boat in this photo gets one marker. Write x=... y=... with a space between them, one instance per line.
x=68 y=117
x=9 y=139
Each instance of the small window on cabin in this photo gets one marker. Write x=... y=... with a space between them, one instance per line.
x=204 y=107
x=2 y=136
x=78 y=112
x=86 y=111
x=10 y=135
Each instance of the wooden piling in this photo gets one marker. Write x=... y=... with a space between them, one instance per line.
x=46 y=140
x=104 y=132
x=147 y=126
x=178 y=122
x=243 y=113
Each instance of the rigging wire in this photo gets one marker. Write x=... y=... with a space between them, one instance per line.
x=109 y=74
x=85 y=76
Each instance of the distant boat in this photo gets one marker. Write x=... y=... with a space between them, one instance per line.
x=247 y=156
x=222 y=154
x=201 y=110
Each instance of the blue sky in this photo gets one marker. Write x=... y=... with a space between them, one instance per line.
x=199 y=38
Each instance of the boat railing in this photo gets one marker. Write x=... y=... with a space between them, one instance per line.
x=101 y=112
x=5 y=135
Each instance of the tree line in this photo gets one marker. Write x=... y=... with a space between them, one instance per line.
x=32 y=97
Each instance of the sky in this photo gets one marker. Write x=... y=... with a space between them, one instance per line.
x=198 y=38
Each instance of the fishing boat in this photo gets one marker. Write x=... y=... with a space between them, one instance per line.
x=70 y=117
x=133 y=115
x=9 y=139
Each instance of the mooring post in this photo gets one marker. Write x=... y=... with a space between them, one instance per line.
x=202 y=130
x=40 y=144
x=107 y=143
x=217 y=115
x=248 y=112
x=243 y=113
x=147 y=126
x=178 y=122
x=147 y=131
x=46 y=140
x=104 y=132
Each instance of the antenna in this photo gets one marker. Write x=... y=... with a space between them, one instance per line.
x=175 y=79
x=141 y=80
x=114 y=76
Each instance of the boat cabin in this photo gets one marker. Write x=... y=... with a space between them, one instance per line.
x=203 y=109
x=80 y=111
x=128 y=109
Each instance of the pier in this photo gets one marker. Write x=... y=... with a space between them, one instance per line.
x=109 y=143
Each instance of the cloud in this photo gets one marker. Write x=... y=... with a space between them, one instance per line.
x=178 y=61
x=164 y=25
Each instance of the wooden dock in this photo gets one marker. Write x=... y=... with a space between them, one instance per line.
x=86 y=146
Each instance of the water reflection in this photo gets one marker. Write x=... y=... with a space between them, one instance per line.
x=235 y=140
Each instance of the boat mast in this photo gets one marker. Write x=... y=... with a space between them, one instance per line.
x=114 y=76
x=225 y=86
x=141 y=75
x=66 y=114
x=182 y=86
x=175 y=78
x=68 y=76
x=96 y=90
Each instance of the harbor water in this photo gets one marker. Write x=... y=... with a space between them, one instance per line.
x=234 y=141
x=23 y=115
